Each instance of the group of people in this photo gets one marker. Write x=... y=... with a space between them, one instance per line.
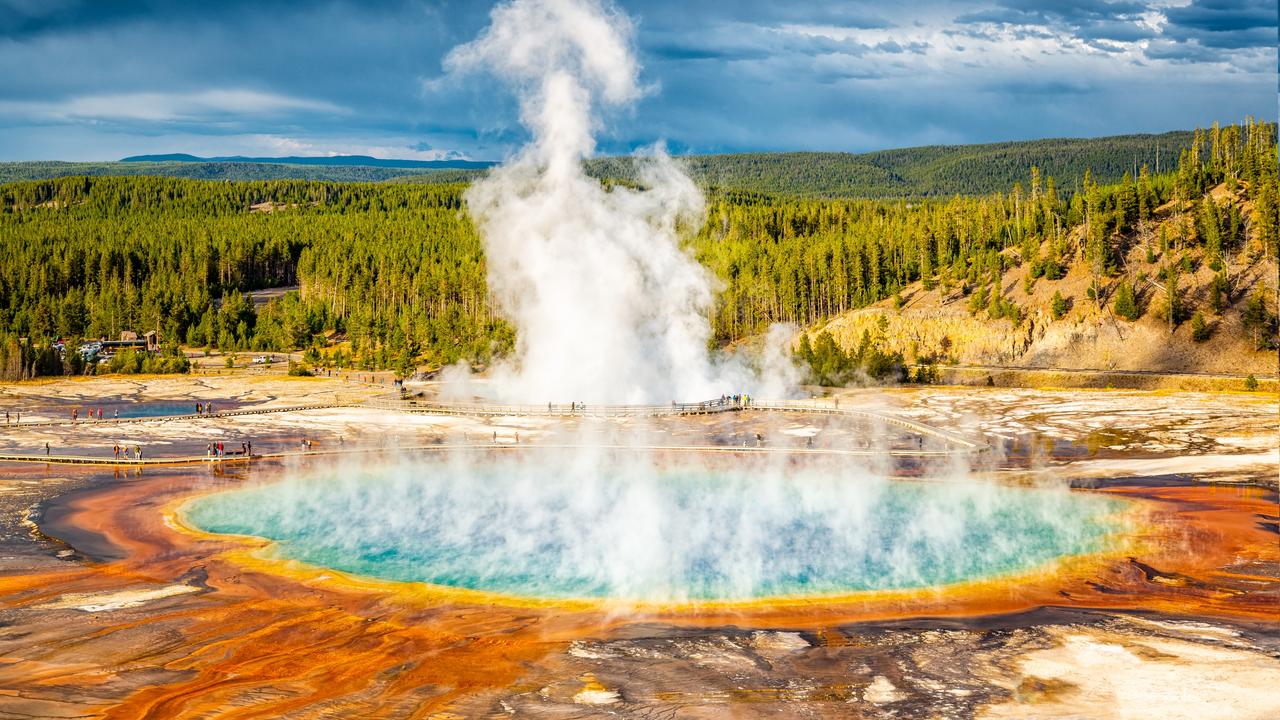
x=93 y=414
x=204 y=408
x=218 y=450
x=123 y=452
x=16 y=420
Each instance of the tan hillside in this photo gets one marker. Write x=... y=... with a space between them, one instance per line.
x=938 y=325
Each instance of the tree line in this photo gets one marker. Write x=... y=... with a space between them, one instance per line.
x=398 y=271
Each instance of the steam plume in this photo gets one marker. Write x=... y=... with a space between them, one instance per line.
x=608 y=306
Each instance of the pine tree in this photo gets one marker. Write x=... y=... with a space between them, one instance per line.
x=1256 y=320
x=1058 y=306
x=1199 y=328
x=1126 y=305
x=1173 y=295
x=1217 y=293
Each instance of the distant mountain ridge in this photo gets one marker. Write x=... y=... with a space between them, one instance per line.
x=324 y=160
x=919 y=172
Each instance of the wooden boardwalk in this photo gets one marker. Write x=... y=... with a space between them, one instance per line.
x=190 y=416
x=447 y=447
x=958 y=444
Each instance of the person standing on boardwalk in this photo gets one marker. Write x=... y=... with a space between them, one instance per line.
x=116 y=450
x=138 y=449
x=46 y=449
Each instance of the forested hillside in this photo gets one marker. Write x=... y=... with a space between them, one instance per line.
x=936 y=171
x=398 y=270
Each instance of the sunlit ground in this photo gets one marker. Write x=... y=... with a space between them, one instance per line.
x=481 y=581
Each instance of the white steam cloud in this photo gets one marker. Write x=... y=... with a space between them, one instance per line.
x=635 y=526
x=608 y=306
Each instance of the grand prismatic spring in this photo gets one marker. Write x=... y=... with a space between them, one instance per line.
x=617 y=515
x=626 y=530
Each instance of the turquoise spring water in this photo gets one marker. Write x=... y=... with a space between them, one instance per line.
x=631 y=528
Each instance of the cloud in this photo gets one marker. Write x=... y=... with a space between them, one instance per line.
x=106 y=79
x=201 y=106
x=1223 y=24
x=321 y=147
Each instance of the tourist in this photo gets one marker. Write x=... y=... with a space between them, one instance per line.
x=6 y=415
x=46 y=449
x=249 y=448
x=198 y=407
x=115 y=414
x=99 y=413
x=138 y=452
x=116 y=450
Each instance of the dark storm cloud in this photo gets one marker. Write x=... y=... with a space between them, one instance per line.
x=1224 y=24
x=1189 y=33
x=1085 y=19
x=103 y=79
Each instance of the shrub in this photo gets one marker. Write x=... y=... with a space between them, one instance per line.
x=1059 y=306
x=978 y=300
x=1251 y=383
x=1126 y=303
x=1199 y=328
x=298 y=370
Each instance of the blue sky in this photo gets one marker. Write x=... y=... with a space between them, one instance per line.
x=101 y=79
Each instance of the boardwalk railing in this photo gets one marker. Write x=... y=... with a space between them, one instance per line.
x=959 y=443
x=590 y=410
x=822 y=407
x=251 y=410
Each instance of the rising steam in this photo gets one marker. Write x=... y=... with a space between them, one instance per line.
x=634 y=527
x=608 y=306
